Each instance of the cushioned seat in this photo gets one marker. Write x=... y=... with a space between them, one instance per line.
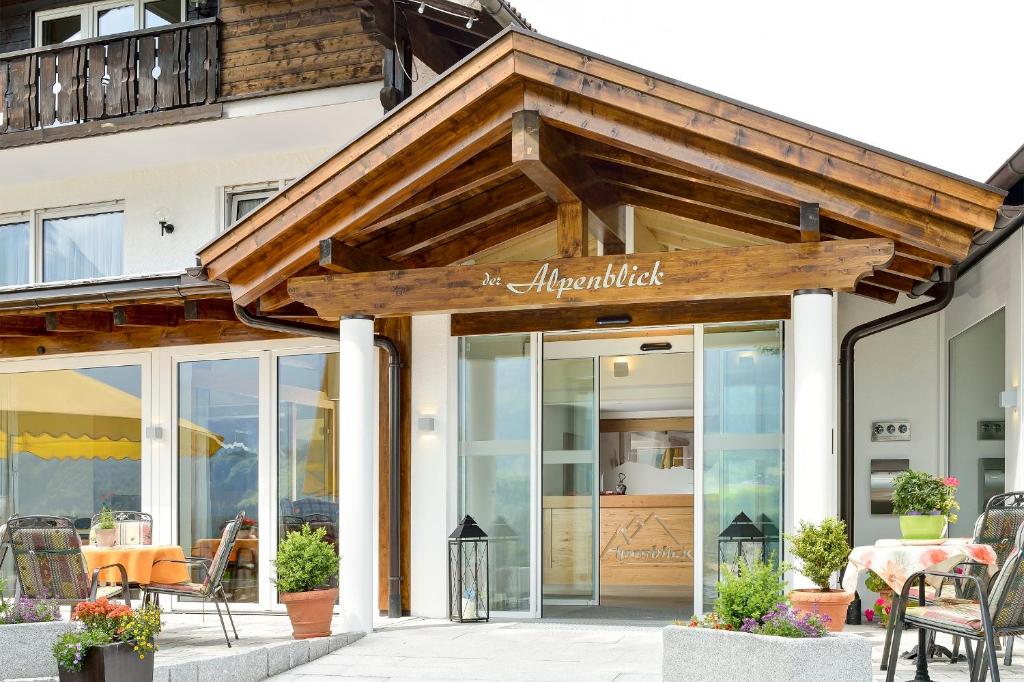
x=176 y=587
x=955 y=614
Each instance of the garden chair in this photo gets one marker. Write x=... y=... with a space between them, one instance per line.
x=48 y=562
x=998 y=612
x=997 y=526
x=212 y=586
x=128 y=524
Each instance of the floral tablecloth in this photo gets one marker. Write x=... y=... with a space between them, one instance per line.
x=896 y=560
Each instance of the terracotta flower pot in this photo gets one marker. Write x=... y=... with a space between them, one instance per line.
x=106 y=537
x=833 y=604
x=922 y=526
x=310 y=612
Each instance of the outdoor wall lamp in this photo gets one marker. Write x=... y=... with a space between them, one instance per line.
x=427 y=423
x=1009 y=398
x=621 y=368
x=161 y=218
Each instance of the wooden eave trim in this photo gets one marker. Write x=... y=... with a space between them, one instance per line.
x=732 y=112
x=406 y=114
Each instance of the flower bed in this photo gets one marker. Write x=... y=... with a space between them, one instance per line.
x=730 y=656
x=28 y=629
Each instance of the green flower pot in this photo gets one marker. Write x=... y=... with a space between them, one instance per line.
x=923 y=527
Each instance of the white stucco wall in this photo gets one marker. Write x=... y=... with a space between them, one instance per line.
x=433 y=394
x=185 y=168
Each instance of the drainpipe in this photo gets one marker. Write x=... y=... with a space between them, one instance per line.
x=395 y=422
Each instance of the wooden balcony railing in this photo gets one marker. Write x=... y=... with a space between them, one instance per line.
x=113 y=76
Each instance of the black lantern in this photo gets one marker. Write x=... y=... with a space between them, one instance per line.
x=468 y=573
x=742 y=541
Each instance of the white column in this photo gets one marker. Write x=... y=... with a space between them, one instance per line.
x=357 y=431
x=814 y=470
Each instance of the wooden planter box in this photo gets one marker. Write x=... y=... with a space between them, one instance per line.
x=26 y=649
x=113 y=663
x=726 y=656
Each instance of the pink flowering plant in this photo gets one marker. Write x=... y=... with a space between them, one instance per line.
x=918 y=492
x=26 y=610
x=784 y=621
x=879 y=612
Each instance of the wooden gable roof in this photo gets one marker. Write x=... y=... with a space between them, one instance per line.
x=488 y=151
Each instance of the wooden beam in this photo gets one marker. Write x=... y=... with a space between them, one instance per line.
x=145 y=316
x=295 y=311
x=75 y=321
x=337 y=256
x=547 y=158
x=210 y=310
x=572 y=235
x=466 y=245
x=810 y=222
x=20 y=325
x=597 y=280
x=640 y=315
x=879 y=293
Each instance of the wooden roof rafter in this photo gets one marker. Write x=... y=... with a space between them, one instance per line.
x=448 y=172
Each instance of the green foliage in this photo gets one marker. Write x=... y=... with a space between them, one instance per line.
x=752 y=592
x=305 y=561
x=71 y=648
x=106 y=521
x=822 y=550
x=874 y=583
x=923 y=493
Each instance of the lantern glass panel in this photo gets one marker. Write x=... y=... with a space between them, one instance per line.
x=468 y=580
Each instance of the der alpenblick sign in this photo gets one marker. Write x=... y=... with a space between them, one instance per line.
x=597 y=280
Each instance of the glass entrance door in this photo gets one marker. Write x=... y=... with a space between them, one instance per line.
x=569 y=481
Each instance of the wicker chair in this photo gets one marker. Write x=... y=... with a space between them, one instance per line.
x=122 y=519
x=212 y=586
x=998 y=612
x=48 y=562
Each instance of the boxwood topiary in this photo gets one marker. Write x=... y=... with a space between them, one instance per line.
x=305 y=561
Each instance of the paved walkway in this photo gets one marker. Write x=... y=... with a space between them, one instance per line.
x=420 y=649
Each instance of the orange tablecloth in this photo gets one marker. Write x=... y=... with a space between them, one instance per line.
x=207 y=547
x=138 y=562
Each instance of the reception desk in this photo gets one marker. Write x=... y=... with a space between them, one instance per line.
x=645 y=540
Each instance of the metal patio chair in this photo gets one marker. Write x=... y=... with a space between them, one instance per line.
x=212 y=586
x=998 y=612
x=144 y=520
x=48 y=562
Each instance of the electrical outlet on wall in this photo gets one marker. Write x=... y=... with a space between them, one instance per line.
x=892 y=430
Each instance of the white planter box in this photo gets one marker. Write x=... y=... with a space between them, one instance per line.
x=731 y=656
x=26 y=649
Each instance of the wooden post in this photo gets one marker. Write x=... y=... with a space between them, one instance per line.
x=573 y=238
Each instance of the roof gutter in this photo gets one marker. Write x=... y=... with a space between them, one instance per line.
x=112 y=292
x=395 y=426
x=501 y=13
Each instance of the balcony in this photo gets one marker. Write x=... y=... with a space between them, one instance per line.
x=129 y=80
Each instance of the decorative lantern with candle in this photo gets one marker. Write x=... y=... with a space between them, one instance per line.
x=468 y=578
x=741 y=540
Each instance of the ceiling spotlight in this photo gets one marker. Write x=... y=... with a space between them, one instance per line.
x=469 y=24
x=423 y=6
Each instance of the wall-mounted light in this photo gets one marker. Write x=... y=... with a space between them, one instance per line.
x=614 y=320
x=1009 y=398
x=427 y=424
x=621 y=368
x=162 y=215
x=657 y=345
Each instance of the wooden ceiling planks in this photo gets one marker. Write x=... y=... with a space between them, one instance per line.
x=448 y=174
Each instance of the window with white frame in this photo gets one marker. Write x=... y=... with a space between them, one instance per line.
x=58 y=245
x=241 y=200
x=95 y=19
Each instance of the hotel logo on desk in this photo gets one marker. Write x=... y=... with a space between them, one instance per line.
x=646 y=538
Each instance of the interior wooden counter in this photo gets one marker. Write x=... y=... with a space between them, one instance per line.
x=644 y=540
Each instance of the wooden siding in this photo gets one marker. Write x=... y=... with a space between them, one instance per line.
x=273 y=46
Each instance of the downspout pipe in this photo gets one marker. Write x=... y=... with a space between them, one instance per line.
x=943 y=294
x=395 y=422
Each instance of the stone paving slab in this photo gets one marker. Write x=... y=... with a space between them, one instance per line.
x=192 y=648
x=541 y=651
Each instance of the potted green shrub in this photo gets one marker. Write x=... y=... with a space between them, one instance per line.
x=924 y=503
x=823 y=551
x=106 y=529
x=114 y=645
x=306 y=568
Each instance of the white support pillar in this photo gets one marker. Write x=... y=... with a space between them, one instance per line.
x=357 y=430
x=814 y=471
